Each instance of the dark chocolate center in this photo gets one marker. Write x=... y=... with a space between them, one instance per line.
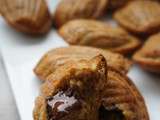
x=61 y=104
x=114 y=114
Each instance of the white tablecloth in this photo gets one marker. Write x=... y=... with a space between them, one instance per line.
x=8 y=109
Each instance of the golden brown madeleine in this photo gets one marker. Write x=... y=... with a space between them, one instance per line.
x=58 y=57
x=28 y=16
x=98 y=34
x=140 y=16
x=122 y=100
x=72 y=92
x=74 y=9
x=114 y=4
x=148 y=57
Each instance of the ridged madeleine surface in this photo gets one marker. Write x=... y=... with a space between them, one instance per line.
x=122 y=100
x=28 y=16
x=74 y=9
x=98 y=34
x=72 y=92
x=149 y=55
x=140 y=16
x=58 y=57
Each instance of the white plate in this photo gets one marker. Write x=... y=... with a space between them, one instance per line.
x=21 y=53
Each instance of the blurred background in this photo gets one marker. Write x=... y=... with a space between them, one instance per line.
x=8 y=110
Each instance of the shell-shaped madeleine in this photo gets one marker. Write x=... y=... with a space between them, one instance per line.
x=122 y=100
x=74 y=9
x=148 y=57
x=28 y=16
x=72 y=92
x=98 y=34
x=58 y=57
x=140 y=16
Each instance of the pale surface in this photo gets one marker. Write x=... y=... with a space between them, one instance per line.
x=20 y=55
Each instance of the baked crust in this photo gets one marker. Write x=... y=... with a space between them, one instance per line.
x=122 y=96
x=139 y=16
x=57 y=57
x=74 y=9
x=28 y=16
x=98 y=34
x=148 y=57
x=72 y=91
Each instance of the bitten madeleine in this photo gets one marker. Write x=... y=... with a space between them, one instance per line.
x=140 y=16
x=98 y=34
x=72 y=92
x=121 y=99
x=28 y=16
x=148 y=57
x=58 y=57
x=74 y=9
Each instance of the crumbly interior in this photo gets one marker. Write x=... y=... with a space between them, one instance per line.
x=76 y=97
x=70 y=99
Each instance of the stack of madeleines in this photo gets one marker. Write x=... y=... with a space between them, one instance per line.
x=87 y=80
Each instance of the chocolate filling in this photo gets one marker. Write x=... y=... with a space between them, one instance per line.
x=114 y=114
x=71 y=99
x=62 y=104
